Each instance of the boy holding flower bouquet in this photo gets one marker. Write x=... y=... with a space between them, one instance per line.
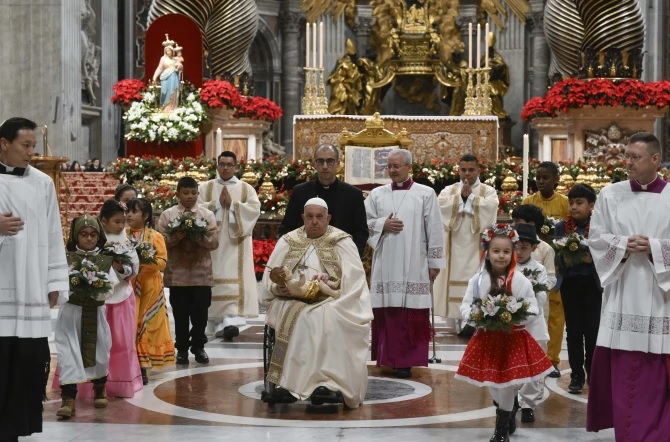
x=501 y=355
x=190 y=235
x=579 y=284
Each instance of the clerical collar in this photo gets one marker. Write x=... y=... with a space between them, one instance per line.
x=655 y=186
x=229 y=182
x=332 y=185
x=7 y=170
x=405 y=185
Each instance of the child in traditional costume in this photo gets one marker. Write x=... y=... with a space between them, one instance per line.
x=124 y=377
x=82 y=335
x=501 y=355
x=155 y=348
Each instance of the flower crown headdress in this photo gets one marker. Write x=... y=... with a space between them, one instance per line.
x=499 y=230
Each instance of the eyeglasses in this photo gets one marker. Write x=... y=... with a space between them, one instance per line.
x=226 y=165
x=396 y=166
x=89 y=235
x=329 y=161
x=635 y=158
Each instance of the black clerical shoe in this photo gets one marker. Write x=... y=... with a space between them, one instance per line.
x=576 y=386
x=200 y=356
x=280 y=395
x=403 y=372
x=230 y=332
x=556 y=373
x=527 y=415
x=322 y=395
x=182 y=358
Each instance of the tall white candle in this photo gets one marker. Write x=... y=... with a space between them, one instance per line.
x=470 y=45
x=251 y=147
x=212 y=145
x=479 y=48
x=219 y=142
x=307 y=46
x=525 y=165
x=321 y=45
x=486 y=46
x=314 y=45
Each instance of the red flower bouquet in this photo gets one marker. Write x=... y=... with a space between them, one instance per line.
x=262 y=250
x=128 y=90
x=259 y=108
x=219 y=93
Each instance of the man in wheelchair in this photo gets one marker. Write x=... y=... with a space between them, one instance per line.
x=318 y=305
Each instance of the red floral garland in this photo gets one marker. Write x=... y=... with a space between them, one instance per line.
x=571 y=227
x=128 y=90
x=220 y=94
x=259 y=108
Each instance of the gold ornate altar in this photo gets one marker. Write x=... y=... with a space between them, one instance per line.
x=431 y=138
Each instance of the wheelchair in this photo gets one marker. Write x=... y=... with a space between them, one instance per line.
x=272 y=394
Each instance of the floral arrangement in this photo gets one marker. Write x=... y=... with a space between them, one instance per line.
x=217 y=94
x=571 y=249
x=498 y=312
x=88 y=280
x=259 y=108
x=117 y=251
x=146 y=252
x=573 y=93
x=127 y=91
x=262 y=250
x=508 y=201
x=534 y=277
x=144 y=123
x=272 y=203
x=548 y=228
x=194 y=227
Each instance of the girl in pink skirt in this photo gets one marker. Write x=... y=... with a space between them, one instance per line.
x=501 y=360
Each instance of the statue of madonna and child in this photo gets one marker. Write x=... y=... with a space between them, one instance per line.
x=170 y=71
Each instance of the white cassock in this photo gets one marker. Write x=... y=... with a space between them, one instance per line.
x=325 y=343
x=636 y=298
x=463 y=224
x=235 y=293
x=124 y=289
x=32 y=262
x=401 y=261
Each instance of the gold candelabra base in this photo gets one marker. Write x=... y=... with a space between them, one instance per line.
x=314 y=102
x=478 y=92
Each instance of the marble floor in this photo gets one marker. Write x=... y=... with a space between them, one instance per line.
x=221 y=401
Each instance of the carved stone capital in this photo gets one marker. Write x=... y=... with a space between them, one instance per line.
x=290 y=21
x=363 y=25
x=535 y=21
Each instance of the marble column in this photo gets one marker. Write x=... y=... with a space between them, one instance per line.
x=292 y=73
x=71 y=71
x=110 y=114
x=539 y=54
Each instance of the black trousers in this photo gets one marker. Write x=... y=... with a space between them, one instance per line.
x=190 y=304
x=582 y=300
x=24 y=364
x=70 y=390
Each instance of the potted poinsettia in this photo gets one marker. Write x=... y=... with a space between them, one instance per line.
x=128 y=91
x=259 y=108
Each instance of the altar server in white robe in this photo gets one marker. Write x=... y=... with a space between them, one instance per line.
x=321 y=337
x=629 y=241
x=408 y=242
x=468 y=207
x=237 y=208
x=33 y=269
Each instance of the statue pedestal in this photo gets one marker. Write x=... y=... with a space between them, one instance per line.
x=563 y=138
x=242 y=136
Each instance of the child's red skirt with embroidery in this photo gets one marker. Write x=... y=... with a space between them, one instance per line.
x=501 y=359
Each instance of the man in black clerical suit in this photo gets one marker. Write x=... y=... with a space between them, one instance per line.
x=345 y=202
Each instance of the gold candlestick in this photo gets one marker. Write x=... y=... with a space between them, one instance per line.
x=470 y=94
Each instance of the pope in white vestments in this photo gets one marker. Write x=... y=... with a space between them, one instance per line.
x=408 y=242
x=321 y=334
x=467 y=209
x=237 y=208
x=629 y=241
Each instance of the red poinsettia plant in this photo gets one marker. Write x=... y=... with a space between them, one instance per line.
x=259 y=108
x=128 y=90
x=573 y=94
x=220 y=94
x=262 y=250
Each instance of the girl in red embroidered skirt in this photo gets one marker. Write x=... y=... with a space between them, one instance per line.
x=501 y=360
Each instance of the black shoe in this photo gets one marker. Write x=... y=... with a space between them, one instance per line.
x=230 y=332
x=323 y=395
x=200 y=356
x=403 y=372
x=281 y=396
x=527 y=415
x=467 y=331
x=556 y=373
x=182 y=358
x=501 y=433
x=576 y=386
x=145 y=378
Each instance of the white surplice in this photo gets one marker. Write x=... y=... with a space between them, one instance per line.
x=328 y=341
x=636 y=298
x=124 y=289
x=32 y=262
x=463 y=223
x=234 y=294
x=401 y=260
x=537 y=325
